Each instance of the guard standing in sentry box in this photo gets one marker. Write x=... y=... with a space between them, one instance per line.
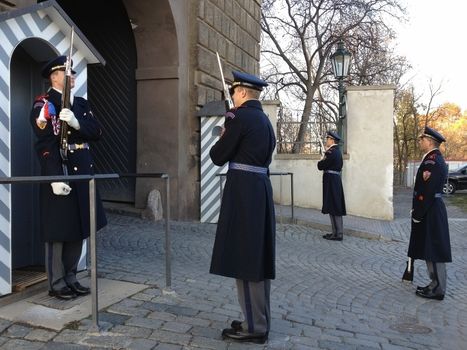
x=244 y=247
x=64 y=207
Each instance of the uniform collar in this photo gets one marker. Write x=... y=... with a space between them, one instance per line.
x=427 y=153
x=72 y=97
x=253 y=103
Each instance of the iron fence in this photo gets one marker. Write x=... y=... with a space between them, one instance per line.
x=287 y=136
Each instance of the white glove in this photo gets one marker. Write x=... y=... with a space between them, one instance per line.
x=414 y=220
x=60 y=188
x=69 y=117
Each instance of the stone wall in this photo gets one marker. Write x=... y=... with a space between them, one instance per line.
x=232 y=28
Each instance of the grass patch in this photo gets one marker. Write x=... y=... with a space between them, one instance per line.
x=459 y=200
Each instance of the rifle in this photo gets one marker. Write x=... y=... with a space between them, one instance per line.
x=66 y=103
x=313 y=126
x=408 y=273
x=228 y=100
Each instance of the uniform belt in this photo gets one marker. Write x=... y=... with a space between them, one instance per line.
x=75 y=146
x=246 y=167
x=437 y=195
x=332 y=172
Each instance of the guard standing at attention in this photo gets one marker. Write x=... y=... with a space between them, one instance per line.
x=333 y=192
x=244 y=247
x=64 y=207
x=429 y=236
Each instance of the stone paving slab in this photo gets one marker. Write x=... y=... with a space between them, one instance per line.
x=34 y=311
x=327 y=295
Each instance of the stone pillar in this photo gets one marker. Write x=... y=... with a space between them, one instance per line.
x=368 y=171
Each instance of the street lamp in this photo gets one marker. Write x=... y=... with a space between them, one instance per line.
x=340 y=61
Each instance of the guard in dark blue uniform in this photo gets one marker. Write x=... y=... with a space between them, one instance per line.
x=64 y=207
x=429 y=237
x=333 y=192
x=244 y=247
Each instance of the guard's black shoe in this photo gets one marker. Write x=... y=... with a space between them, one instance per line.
x=64 y=294
x=429 y=294
x=79 y=289
x=332 y=237
x=240 y=336
x=236 y=325
x=419 y=288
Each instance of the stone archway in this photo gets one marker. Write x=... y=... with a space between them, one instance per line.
x=111 y=90
x=158 y=90
x=154 y=88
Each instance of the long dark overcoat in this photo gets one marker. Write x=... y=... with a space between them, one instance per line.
x=333 y=192
x=429 y=239
x=65 y=218
x=244 y=247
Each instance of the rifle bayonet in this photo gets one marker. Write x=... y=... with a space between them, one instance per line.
x=228 y=100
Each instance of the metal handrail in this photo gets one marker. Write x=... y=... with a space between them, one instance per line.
x=168 y=270
x=92 y=220
x=291 y=192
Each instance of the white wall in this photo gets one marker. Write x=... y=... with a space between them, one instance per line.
x=367 y=175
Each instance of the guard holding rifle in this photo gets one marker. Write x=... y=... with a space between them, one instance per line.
x=64 y=207
x=244 y=247
x=333 y=192
x=429 y=236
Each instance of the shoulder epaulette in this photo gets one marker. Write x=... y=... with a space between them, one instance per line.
x=39 y=101
x=41 y=97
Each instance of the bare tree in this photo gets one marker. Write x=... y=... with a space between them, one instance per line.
x=300 y=35
x=435 y=90
x=405 y=123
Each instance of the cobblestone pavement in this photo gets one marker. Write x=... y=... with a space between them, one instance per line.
x=327 y=295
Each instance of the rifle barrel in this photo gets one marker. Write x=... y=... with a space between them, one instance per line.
x=66 y=103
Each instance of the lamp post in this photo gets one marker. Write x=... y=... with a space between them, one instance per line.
x=340 y=61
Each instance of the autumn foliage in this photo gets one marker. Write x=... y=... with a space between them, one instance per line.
x=451 y=122
x=448 y=119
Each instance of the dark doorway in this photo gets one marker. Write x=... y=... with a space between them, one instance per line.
x=27 y=247
x=111 y=89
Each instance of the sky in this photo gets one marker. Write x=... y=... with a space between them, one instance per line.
x=435 y=42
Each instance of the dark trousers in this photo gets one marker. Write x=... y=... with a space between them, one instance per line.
x=437 y=274
x=337 y=225
x=61 y=263
x=254 y=299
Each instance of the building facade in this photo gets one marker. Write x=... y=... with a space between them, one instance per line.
x=161 y=68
